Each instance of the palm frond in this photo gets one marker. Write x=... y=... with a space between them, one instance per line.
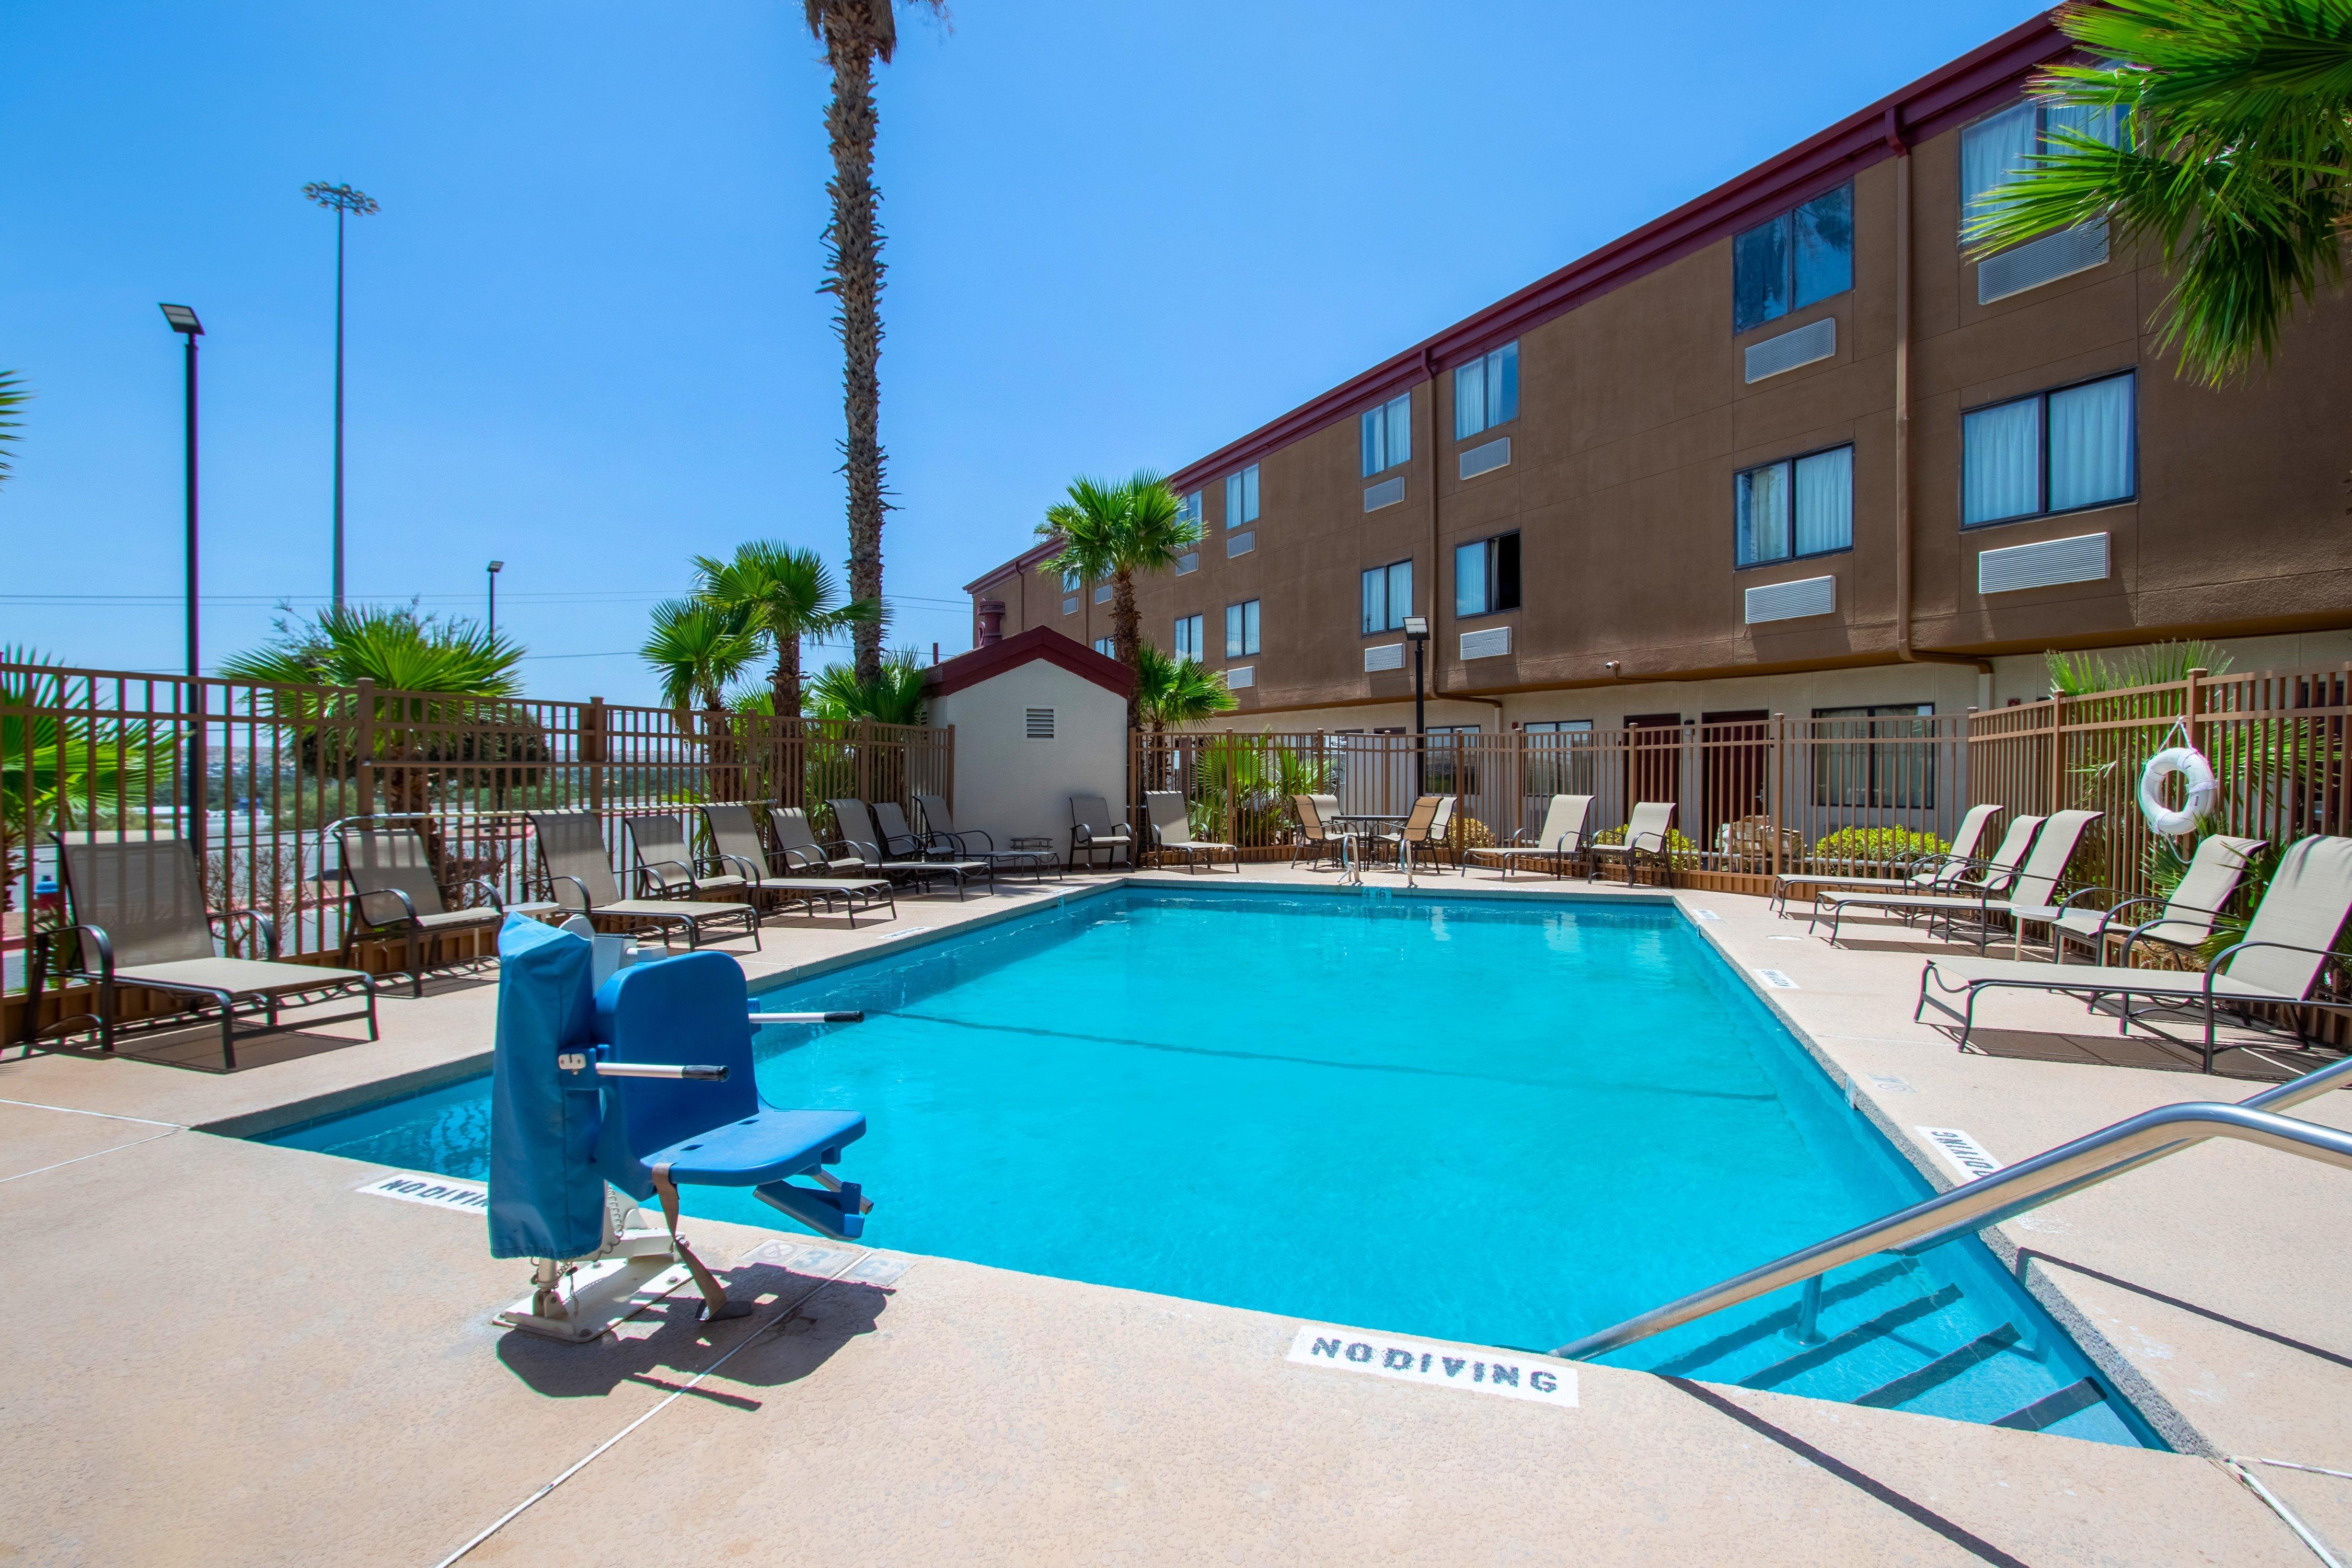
x=14 y=395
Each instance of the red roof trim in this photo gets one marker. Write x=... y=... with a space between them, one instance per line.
x=1027 y=647
x=1021 y=562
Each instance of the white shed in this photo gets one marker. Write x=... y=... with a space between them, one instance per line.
x=1038 y=717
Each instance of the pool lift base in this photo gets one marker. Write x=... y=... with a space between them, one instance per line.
x=578 y=1299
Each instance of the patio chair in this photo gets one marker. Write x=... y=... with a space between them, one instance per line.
x=2288 y=946
x=939 y=827
x=902 y=842
x=392 y=891
x=854 y=822
x=1170 y=826
x=1645 y=837
x=1430 y=819
x=2183 y=920
x=1935 y=871
x=735 y=841
x=800 y=849
x=669 y=862
x=2022 y=897
x=1093 y=831
x=580 y=877
x=1319 y=838
x=139 y=919
x=1559 y=840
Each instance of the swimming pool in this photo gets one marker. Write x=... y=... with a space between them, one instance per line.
x=1500 y=1123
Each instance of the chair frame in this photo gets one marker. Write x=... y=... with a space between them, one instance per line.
x=1082 y=838
x=1201 y=849
x=409 y=923
x=745 y=915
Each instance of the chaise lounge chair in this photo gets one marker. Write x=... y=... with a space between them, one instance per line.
x=1936 y=871
x=669 y=864
x=1985 y=883
x=802 y=852
x=1646 y=838
x=854 y=821
x=393 y=892
x=939 y=831
x=1093 y=831
x=2182 y=922
x=2031 y=893
x=2285 y=953
x=1559 y=840
x=735 y=839
x=901 y=842
x=1171 y=825
x=580 y=878
x=139 y=919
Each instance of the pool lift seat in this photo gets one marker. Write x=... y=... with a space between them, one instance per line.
x=627 y=1096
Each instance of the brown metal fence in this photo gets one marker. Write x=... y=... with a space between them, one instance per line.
x=116 y=755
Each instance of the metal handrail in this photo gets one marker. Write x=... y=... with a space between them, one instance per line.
x=2071 y=1167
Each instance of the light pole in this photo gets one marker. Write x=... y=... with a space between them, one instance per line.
x=184 y=322
x=343 y=201
x=496 y=567
x=1416 y=630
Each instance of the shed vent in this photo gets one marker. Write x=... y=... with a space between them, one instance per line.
x=1240 y=676
x=1486 y=459
x=2082 y=559
x=1240 y=543
x=1385 y=656
x=1491 y=643
x=1188 y=562
x=1041 y=723
x=1388 y=492
x=1814 y=340
x=1786 y=601
x=2045 y=260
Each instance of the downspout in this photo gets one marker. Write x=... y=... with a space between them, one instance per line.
x=1429 y=368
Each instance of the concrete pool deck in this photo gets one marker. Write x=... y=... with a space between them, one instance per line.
x=226 y=1353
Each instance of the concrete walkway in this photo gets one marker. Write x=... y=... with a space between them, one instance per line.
x=226 y=1353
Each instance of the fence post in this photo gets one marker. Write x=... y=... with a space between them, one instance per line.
x=2194 y=698
x=367 y=746
x=947 y=789
x=2057 y=751
x=592 y=751
x=1232 y=808
x=1778 y=749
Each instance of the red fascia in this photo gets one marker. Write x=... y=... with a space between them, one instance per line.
x=1023 y=648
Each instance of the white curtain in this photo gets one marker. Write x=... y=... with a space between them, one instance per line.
x=1764 y=514
x=1400 y=431
x=1994 y=150
x=2091 y=443
x=1375 y=443
x=1825 y=501
x=1503 y=385
x=1399 y=592
x=2001 y=464
x=1470 y=579
x=1470 y=399
x=1376 y=599
x=2097 y=123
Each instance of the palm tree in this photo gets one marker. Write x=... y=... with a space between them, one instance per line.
x=698 y=648
x=12 y=398
x=895 y=696
x=783 y=594
x=856 y=34
x=1171 y=691
x=52 y=761
x=2237 y=163
x=1115 y=528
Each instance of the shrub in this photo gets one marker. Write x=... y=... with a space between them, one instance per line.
x=1880 y=844
x=1680 y=852
x=1472 y=834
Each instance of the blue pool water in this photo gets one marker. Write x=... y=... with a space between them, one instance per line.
x=1507 y=1124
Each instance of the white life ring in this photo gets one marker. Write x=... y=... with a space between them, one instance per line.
x=2195 y=771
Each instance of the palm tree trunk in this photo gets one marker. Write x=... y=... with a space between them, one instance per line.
x=786 y=681
x=1125 y=634
x=854 y=278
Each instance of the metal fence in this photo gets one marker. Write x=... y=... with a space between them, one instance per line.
x=256 y=774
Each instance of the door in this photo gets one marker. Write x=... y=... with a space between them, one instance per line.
x=1654 y=758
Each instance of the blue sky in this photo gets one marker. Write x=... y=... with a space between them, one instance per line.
x=583 y=334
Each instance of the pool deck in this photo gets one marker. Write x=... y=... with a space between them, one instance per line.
x=226 y=1353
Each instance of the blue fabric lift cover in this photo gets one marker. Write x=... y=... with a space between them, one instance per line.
x=547 y=1199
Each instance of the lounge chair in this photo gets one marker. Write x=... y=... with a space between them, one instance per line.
x=801 y=850
x=1935 y=871
x=1645 y=837
x=2285 y=953
x=580 y=878
x=139 y=919
x=1318 y=832
x=735 y=840
x=854 y=822
x=2182 y=921
x=1986 y=880
x=1093 y=831
x=977 y=842
x=2033 y=888
x=669 y=864
x=1429 y=822
x=393 y=892
x=1559 y=840
x=902 y=842
x=1170 y=826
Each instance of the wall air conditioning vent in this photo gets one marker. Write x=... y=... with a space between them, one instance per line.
x=1388 y=492
x=1070 y=604
x=2082 y=559
x=1486 y=459
x=2045 y=260
x=1187 y=562
x=1241 y=676
x=1386 y=656
x=1814 y=340
x=1041 y=723
x=1492 y=643
x=1240 y=543
x=1787 y=601
x=1102 y=592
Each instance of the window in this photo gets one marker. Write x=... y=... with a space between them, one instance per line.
x=1106 y=647
x=1486 y=392
x=1486 y=576
x=1070 y=580
x=1188 y=508
x=1102 y=592
x=1804 y=256
x=1801 y=506
x=1241 y=497
x=1994 y=150
x=1188 y=563
x=2054 y=451
x=1069 y=592
x=1388 y=435
x=1070 y=604
x=1189 y=639
x=1560 y=760
x=1882 y=756
x=1241 y=629
x=1388 y=597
